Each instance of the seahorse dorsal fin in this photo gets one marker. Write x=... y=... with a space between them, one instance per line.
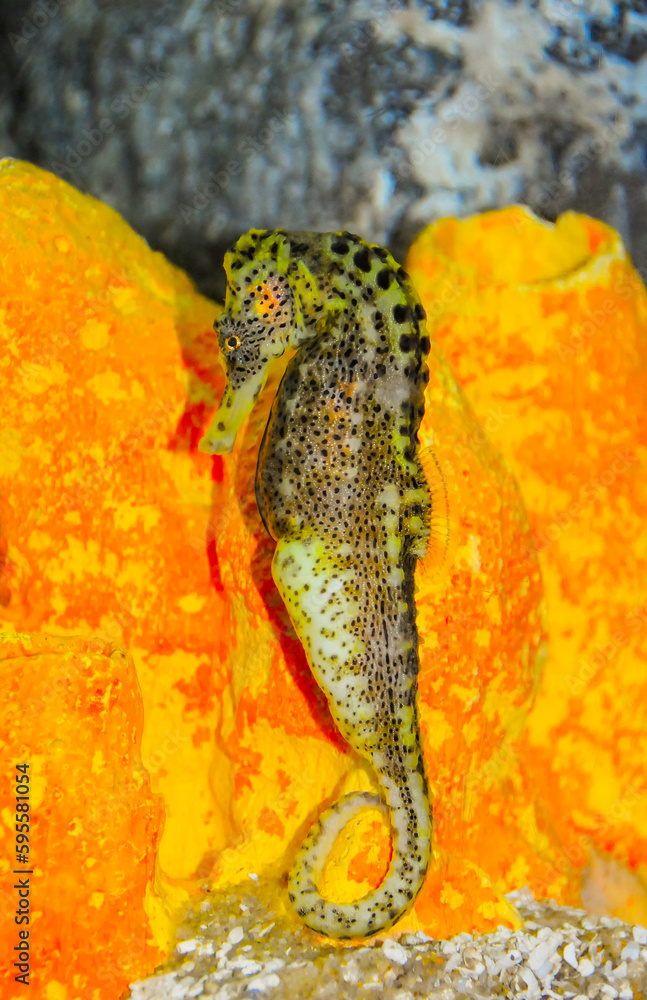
x=441 y=519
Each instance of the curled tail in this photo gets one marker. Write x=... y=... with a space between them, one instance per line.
x=365 y=661
x=408 y=809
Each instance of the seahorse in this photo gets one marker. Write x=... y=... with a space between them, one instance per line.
x=340 y=487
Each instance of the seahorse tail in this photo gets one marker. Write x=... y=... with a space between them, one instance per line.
x=407 y=806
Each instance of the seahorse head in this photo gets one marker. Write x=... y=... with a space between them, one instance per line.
x=254 y=328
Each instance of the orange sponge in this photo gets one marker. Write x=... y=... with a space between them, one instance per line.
x=112 y=524
x=546 y=327
x=79 y=855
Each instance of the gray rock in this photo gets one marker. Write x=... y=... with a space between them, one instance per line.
x=197 y=119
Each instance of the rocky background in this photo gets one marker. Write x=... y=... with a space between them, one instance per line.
x=197 y=119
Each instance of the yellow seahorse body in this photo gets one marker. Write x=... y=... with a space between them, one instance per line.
x=340 y=487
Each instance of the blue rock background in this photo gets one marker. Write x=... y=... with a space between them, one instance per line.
x=197 y=119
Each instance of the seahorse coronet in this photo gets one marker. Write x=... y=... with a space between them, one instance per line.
x=341 y=488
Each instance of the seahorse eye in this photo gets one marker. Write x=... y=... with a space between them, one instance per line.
x=232 y=342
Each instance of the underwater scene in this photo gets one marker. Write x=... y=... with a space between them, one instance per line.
x=323 y=499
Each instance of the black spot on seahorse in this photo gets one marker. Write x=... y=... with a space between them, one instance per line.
x=384 y=278
x=362 y=260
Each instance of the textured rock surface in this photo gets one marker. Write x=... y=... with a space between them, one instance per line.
x=199 y=119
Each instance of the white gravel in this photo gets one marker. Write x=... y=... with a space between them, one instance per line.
x=236 y=951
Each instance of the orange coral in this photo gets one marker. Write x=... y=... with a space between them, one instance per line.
x=114 y=525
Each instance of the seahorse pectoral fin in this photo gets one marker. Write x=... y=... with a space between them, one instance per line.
x=235 y=407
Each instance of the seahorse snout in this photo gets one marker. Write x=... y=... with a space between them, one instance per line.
x=235 y=407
